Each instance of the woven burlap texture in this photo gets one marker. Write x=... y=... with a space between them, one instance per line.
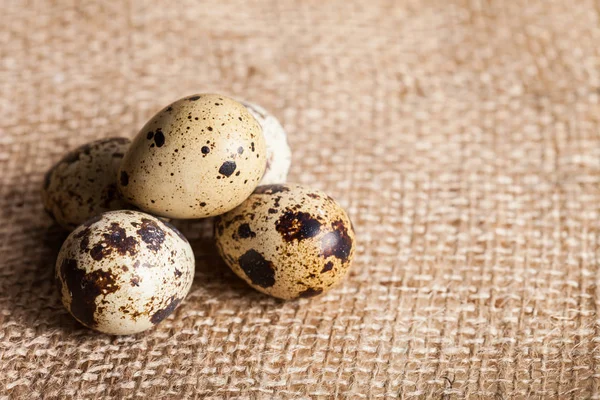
x=462 y=137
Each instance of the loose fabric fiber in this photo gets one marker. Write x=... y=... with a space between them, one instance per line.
x=462 y=137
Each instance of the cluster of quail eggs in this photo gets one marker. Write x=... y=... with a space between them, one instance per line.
x=124 y=267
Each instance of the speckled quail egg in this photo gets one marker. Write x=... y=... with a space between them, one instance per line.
x=287 y=241
x=198 y=157
x=279 y=155
x=84 y=183
x=123 y=272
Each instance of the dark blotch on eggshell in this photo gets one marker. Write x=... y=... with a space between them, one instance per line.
x=259 y=270
x=327 y=267
x=337 y=243
x=97 y=252
x=297 y=226
x=193 y=98
x=227 y=168
x=245 y=232
x=84 y=237
x=165 y=312
x=116 y=239
x=159 y=138
x=85 y=288
x=151 y=234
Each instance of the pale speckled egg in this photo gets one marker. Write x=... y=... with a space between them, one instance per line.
x=287 y=241
x=279 y=154
x=84 y=182
x=198 y=157
x=123 y=272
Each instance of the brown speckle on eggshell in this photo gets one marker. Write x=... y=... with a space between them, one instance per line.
x=287 y=241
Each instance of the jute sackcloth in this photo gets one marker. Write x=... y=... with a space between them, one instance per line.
x=462 y=137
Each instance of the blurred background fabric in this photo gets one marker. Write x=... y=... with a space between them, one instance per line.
x=462 y=137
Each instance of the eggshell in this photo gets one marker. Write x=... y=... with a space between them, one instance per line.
x=123 y=272
x=287 y=241
x=84 y=183
x=279 y=154
x=198 y=157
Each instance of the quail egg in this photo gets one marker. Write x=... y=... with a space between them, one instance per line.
x=287 y=241
x=198 y=157
x=84 y=183
x=279 y=155
x=123 y=272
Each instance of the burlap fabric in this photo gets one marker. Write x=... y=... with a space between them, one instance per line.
x=462 y=136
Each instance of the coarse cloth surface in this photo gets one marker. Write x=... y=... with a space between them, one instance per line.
x=462 y=137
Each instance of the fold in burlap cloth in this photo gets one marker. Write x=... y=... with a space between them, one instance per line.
x=462 y=136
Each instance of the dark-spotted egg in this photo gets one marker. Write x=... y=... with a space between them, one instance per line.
x=287 y=241
x=198 y=157
x=123 y=272
x=83 y=184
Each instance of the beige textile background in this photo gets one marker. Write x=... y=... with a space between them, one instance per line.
x=462 y=136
